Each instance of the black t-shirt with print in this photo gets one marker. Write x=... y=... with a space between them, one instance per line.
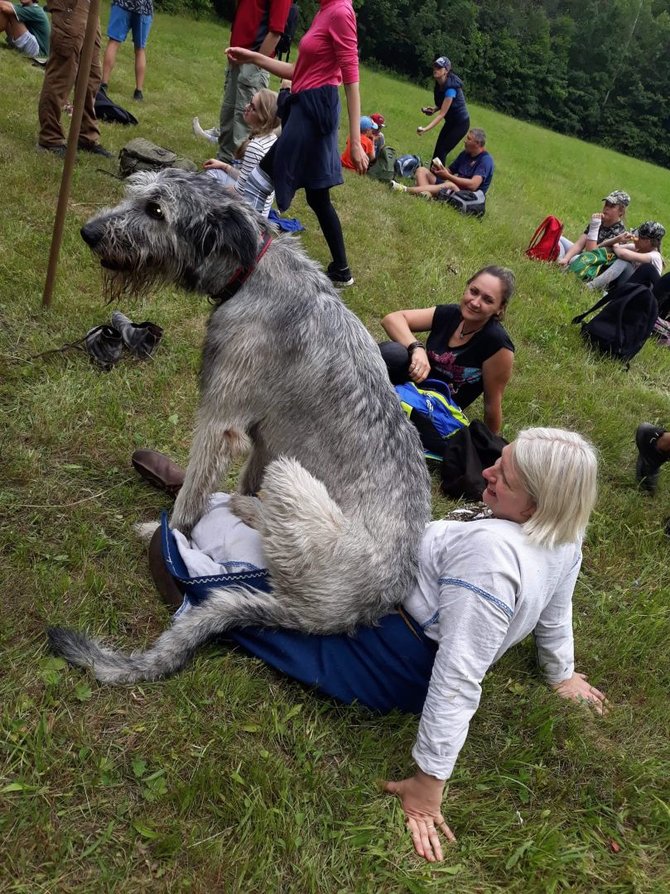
x=461 y=368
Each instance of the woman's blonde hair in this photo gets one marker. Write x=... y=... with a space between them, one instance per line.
x=559 y=470
x=265 y=103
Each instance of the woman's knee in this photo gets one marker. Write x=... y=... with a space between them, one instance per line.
x=396 y=358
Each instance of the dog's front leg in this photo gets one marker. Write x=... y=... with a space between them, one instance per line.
x=214 y=445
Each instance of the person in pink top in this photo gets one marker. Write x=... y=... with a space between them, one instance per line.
x=306 y=155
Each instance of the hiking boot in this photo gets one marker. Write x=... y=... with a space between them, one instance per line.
x=339 y=276
x=94 y=149
x=59 y=150
x=650 y=458
x=141 y=339
x=138 y=96
x=398 y=187
x=159 y=470
x=104 y=346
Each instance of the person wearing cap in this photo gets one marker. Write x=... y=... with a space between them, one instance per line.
x=633 y=251
x=450 y=109
x=602 y=227
x=378 y=137
x=369 y=129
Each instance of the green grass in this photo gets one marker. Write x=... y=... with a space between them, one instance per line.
x=226 y=777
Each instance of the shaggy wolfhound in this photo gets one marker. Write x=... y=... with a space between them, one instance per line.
x=290 y=372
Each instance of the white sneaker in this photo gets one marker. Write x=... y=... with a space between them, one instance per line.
x=212 y=135
x=398 y=187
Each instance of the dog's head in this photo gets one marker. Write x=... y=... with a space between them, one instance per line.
x=174 y=227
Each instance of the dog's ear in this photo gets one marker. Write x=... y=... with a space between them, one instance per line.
x=228 y=227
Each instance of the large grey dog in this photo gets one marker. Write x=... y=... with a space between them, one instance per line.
x=290 y=371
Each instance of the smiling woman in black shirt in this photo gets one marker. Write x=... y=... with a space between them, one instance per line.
x=467 y=346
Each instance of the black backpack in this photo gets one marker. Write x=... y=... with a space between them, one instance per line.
x=625 y=322
x=291 y=26
x=107 y=110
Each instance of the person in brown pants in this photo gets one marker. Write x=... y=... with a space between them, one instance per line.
x=68 y=26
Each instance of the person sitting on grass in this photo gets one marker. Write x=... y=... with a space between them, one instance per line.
x=603 y=226
x=472 y=170
x=483 y=585
x=632 y=250
x=369 y=131
x=26 y=26
x=260 y=116
x=467 y=346
x=378 y=137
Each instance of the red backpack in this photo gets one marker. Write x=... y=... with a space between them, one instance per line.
x=544 y=244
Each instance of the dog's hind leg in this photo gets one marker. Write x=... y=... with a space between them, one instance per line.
x=214 y=445
x=251 y=476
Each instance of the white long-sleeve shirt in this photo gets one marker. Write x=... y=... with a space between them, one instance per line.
x=482 y=587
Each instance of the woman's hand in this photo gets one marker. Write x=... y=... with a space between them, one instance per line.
x=238 y=55
x=359 y=158
x=421 y=799
x=419 y=367
x=420 y=130
x=215 y=163
x=578 y=689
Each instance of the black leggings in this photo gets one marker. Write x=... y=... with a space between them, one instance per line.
x=450 y=136
x=319 y=201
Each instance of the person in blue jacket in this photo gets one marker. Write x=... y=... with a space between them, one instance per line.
x=450 y=109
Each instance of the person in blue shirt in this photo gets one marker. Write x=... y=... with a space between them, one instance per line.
x=471 y=170
x=450 y=109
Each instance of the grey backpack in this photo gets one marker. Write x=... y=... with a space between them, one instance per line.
x=143 y=155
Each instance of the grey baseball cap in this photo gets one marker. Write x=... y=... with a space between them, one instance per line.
x=618 y=197
x=651 y=229
x=442 y=62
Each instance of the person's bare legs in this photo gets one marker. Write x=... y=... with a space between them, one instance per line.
x=11 y=25
x=429 y=189
x=110 y=60
x=424 y=177
x=140 y=67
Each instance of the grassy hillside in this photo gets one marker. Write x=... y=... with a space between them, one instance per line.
x=227 y=777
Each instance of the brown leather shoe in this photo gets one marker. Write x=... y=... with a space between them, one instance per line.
x=159 y=470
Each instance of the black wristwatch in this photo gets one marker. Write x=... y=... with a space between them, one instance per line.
x=415 y=344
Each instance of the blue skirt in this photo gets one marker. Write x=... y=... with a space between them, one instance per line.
x=306 y=155
x=385 y=668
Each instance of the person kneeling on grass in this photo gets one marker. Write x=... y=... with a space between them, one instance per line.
x=26 y=26
x=482 y=586
x=472 y=170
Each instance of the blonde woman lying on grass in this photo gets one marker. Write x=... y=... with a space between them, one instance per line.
x=482 y=586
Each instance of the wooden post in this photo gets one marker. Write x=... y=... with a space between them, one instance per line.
x=83 y=75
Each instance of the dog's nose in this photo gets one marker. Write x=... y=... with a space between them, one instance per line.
x=91 y=233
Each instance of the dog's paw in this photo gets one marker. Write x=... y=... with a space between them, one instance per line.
x=246 y=508
x=145 y=530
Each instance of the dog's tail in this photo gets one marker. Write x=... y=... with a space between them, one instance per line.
x=223 y=610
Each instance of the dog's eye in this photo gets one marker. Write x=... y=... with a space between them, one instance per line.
x=154 y=210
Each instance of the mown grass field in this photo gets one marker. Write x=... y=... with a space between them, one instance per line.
x=227 y=778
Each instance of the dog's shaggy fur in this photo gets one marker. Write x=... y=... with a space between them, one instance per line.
x=344 y=490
